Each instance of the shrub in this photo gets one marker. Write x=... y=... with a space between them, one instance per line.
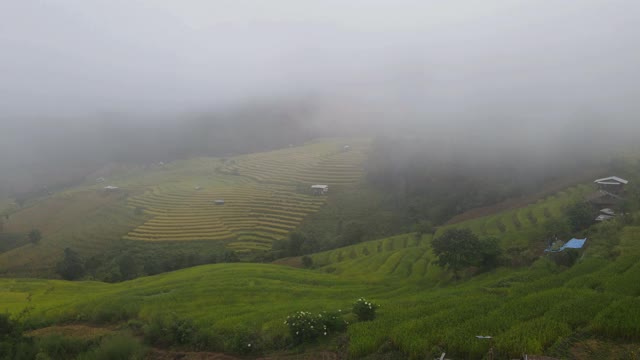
x=119 y=347
x=307 y=327
x=13 y=345
x=57 y=346
x=364 y=310
x=169 y=331
x=304 y=327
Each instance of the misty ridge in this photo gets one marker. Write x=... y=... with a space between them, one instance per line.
x=535 y=87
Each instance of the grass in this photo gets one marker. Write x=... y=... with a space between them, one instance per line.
x=423 y=311
x=521 y=227
x=529 y=310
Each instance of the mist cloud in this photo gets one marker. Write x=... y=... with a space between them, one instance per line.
x=77 y=77
x=409 y=58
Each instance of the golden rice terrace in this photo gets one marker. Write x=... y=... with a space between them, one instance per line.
x=249 y=200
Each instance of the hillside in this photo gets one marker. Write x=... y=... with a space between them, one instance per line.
x=544 y=308
x=159 y=206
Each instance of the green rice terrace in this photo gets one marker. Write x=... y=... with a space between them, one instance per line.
x=587 y=311
x=266 y=195
x=262 y=196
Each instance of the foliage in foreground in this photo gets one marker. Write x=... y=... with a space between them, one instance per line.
x=364 y=310
x=532 y=310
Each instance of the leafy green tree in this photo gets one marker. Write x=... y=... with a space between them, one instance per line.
x=230 y=256
x=423 y=227
x=127 y=267
x=35 y=236
x=294 y=246
x=457 y=249
x=490 y=251
x=71 y=267
x=580 y=216
x=353 y=233
x=307 y=261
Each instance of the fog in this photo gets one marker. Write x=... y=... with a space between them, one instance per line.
x=530 y=72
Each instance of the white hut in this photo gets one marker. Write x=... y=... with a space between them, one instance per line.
x=320 y=189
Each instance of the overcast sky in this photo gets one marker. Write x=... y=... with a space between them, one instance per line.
x=60 y=57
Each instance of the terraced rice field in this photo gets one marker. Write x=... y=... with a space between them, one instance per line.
x=265 y=195
x=319 y=163
x=519 y=226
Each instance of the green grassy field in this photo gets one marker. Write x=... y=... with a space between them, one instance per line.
x=542 y=308
x=520 y=226
x=538 y=309
x=266 y=196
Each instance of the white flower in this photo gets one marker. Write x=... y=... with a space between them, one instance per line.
x=249 y=345
x=325 y=333
x=296 y=333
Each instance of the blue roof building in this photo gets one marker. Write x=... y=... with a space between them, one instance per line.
x=571 y=244
x=574 y=244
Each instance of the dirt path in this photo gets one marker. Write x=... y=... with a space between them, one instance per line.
x=73 y=330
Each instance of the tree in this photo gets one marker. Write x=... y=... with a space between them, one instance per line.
x=353 y=233
x=35 y=236
x=307 y=261
x=127 y=267
x=490 y=251
x=294 y=246
x=457 y=249
x=580 y=216
x=230 y=256
x=71 y=267
x=423 y=227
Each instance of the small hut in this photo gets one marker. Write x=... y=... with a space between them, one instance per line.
x=611 y=184
x=319 y=189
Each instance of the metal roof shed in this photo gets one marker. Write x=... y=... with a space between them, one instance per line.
x=611 y=180
x=574 y=244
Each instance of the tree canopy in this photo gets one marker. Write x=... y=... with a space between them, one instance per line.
x=35 y=236
x=580 y=216
x=72 y=266
x=457 y=249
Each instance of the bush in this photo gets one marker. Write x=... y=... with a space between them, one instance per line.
x=172 y=331
x=56 y=346
x=307 y=327
x=13 y=345
x=307 y=261
x=364 y=310
x=119 y=347
x=333 y=321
